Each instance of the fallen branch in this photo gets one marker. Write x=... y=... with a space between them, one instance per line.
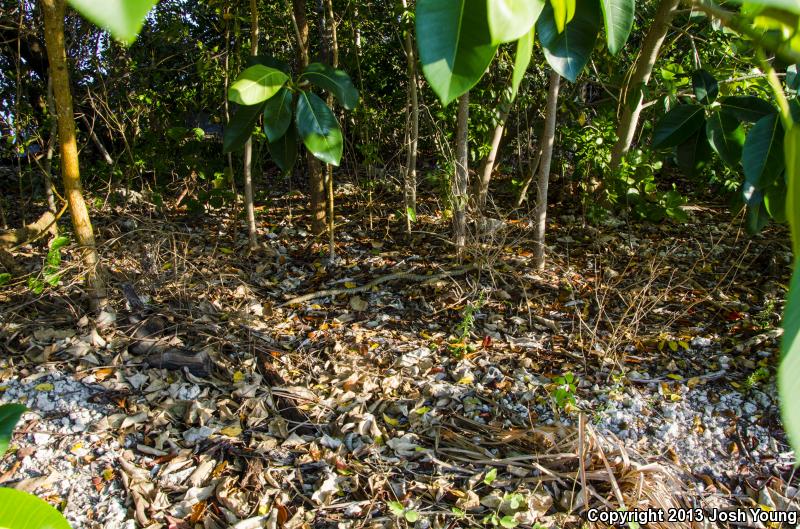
x=406 y=276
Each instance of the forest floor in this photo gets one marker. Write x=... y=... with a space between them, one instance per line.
x=637 y=370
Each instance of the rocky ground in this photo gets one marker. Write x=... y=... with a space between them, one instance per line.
x=638 y=369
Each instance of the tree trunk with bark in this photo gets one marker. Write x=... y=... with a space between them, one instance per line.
x=487 y=167
x=412 y=121
x=333 y=45
x=248 y=147
x=642 y=68
x=548 y=140
x=316 y=181
x=461 y=177
x=70 y=170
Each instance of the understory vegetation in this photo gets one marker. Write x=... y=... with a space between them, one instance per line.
x=432 y=264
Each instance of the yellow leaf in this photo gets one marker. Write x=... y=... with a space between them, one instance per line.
x=238 y=376
x=674 y=397
x=231 y=431
x=673 y=346
x=390 y=421
x=219 y=469
x=226 y=251
x=76 y=447
x=349 y=284
x=108 y=474
x=683 y=344
x=3 y=388
x=44 y=387
x=692 y=382
x=467 y=380
x=675 y=377
x=166 y=267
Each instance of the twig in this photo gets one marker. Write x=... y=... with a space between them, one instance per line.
x=407 y=276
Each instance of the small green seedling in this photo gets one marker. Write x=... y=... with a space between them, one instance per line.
x=564 y=393
x=397 y=508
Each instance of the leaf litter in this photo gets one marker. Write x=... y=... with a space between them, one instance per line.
x=397 y=394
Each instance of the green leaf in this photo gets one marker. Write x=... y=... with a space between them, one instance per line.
x=284 y=150
x=747 y=108
x=618 y=19
x=792 y=79
x=706 y=88
x=568 y=52
x=319 y=129
x=509 y=20
x=563 y=13
x=508 y=522
x=762 y=156
x=490 y=476
x=411 y=516
x=693 y=154
x=775 y=200
x=677 y=125
x=58 y=243
x=4 y=278
x=454 y=45
x=789 y=371
x=240 y=127
x=787 y=5
x=334 y=81
x=726 y=136
x=522 y=60
x=268 y=60
x=278 y=114
x=20 y=510
x=757 y=217
x=396 y=507
x=122 y=18
x=9 y=416
x=256 y=84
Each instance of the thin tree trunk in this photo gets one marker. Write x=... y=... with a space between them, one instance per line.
x=523 y=192
x=642 y=68
x=70 y=171
x=412 y=134
x=51 y=145
x=315 y=180
x=248 y=147
x=97 y=143
x=461 y=177
x=334 y=49
x=544 y=169
x=488 y=164
x=226 y=74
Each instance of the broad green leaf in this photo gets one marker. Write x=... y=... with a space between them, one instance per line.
x=787 y=5
x=284 y=150
x=509 y=20
x=775 y=200
x=693 y=154
x=278 y=114
x=20 y=510
x=256 y=84
x=319 y=129
x=747 y=108
x=726 y=136
x=490 y=476
x=757 y=217
x=240 y=127
x=454 y=45
x=334 y=81
x=677 y=125
x=789 y=372
x=522 y=60
x=706 y=88
x=411 y=516
x=5 y=277
x=563 y=12
x=9 y=416
x=122 y=18
x=618 y=19
x=762 y=156
x=792 y=79
x=568 y=52
x=268 y=60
